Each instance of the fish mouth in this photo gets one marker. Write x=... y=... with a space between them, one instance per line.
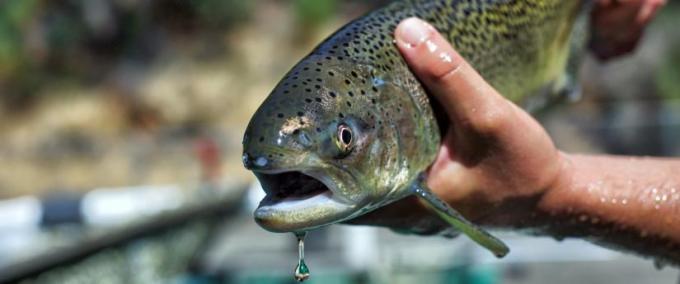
x=300 y=201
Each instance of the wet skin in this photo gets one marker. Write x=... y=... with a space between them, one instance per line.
x=630 y=203
x=350 y=128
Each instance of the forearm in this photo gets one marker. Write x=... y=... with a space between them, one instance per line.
x=631 y=203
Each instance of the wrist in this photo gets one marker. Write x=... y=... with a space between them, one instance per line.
x=534 y=210
x=556 y=196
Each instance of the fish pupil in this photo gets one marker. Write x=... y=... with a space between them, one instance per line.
x=345 y=136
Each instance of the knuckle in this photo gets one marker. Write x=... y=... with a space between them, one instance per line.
x=446 y=70
x=492 y=119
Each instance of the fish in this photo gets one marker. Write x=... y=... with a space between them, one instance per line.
x=350 y=129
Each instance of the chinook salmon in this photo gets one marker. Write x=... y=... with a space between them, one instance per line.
x=350 y=129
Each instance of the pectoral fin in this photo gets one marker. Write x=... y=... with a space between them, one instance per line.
x=451 y=216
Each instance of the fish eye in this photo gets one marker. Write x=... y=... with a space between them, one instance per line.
x=345 y=138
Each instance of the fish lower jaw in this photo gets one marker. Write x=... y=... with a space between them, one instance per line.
x=302 y=214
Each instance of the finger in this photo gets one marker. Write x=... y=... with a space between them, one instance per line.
x=648 y=10
x=450 y=79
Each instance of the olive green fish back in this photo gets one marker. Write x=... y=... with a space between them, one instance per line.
x=517 y=45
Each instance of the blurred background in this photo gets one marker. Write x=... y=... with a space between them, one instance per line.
x=120 y=149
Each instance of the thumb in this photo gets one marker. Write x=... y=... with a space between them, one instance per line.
x=467 y=98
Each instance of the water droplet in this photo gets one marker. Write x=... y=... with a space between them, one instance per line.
x=301 y=270
x=431 y=46
x=445 y=57
x=377 y=81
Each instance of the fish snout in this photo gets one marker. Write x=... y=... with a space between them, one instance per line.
x=255 y=162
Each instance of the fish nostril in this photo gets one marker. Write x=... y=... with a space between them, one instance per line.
x=250 y=162
x=261 y=162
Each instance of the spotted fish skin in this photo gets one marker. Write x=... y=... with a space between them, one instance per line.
x=358 y=80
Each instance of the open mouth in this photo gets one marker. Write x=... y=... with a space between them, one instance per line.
x=290 y=186
x=297 y=201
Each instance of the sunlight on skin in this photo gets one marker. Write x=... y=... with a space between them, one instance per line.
x=498 y=166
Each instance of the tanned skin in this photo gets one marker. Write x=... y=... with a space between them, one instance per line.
x=499 y=168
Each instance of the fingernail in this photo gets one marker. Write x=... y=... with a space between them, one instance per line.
x=413 y=32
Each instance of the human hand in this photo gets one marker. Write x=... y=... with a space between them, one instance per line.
x=493 y=157
x=617 y=25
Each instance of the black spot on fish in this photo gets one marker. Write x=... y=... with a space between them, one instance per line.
x=332 y=94
x=331 y=73
x=341 y=115
x=280 y=115
x=349 y=104
x=317 y=100
x=300 y=113
x=350 y=94
x=308 y=100
x=261 y=139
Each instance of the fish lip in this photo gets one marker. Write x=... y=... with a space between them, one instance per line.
x=317 y=211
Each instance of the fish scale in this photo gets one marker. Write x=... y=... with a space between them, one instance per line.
x=356 y=84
